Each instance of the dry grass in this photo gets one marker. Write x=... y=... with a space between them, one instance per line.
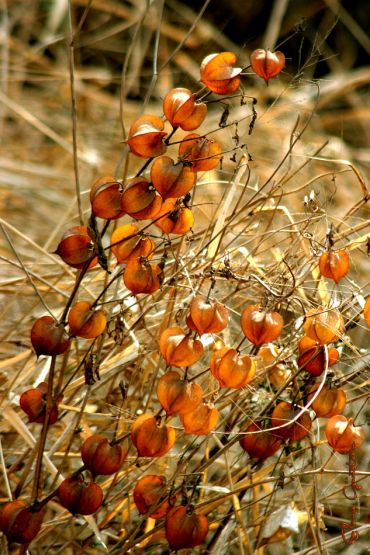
x=251 y=216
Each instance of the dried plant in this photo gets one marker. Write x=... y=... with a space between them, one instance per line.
x=190 y=248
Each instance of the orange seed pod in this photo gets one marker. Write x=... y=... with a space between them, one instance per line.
x=100 y=457
x=202 y=154
x=334 y=265
x=145 y=137
x=106 y=198
x=77 y=247
x=150 y=438
x=174 y=217
x=48 y=337
x=85 y=322
x=267 y=64
x=182 y=109
x=218 y=74
x=260 y=326
x=179 y=349
x=178 y=396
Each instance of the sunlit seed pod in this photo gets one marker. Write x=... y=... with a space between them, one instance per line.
x=267 y=64
x=76 y=247
x=151 y=496
x=324 y=325
x=178 y=396
x=185 y=528
x=171 y=180
x=285 y=412
x=218 y=74
x=127 y=244
x=142 y=277
x=179 y=349
x=334 y=265
x=261 y=326
x=145 y=137
x=202 y=420
x=201 y=153
x=207 y=315
x=182 y=109
x=100 y=457
x=48 y=337
x=329 y=402
x=312 y=357
x=231 y=369
x=86 y=322
x=150 y=437
x=174 y=218
x=343 y=435
x=106 y=198
x=33 y=403
x=140 y=200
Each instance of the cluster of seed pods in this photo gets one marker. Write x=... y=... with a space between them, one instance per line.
x=161 y=198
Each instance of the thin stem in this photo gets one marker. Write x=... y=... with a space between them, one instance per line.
x=74 y=112
x=44 y=431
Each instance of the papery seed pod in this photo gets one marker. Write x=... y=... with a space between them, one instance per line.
x=19 y=523
x=100 y=457
x=200 y=421
x=178 y=396
x=343 y=435
x=33 y=403
x=150 y=437
x=106 y=198
x=80 y=497
x=267 y=64
x=324 y=325
x=312 y=356
x=261 y=326
x=185 y=528
x=48 y=337
x=231 y=369
x=140 y=200
x=334 y=265
x=218 y=74
x=145 y=137
x=259 y=445
x=207 y=315
x=86 y=322
x=142 y=277
x=151 y=491
x=178 y=349
x=329 y=402
x=202 y=154
x=128 y=244
x=285 y=412
x=174 y=218
x=182 y=109
x=77 y=247
x=171 y=180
